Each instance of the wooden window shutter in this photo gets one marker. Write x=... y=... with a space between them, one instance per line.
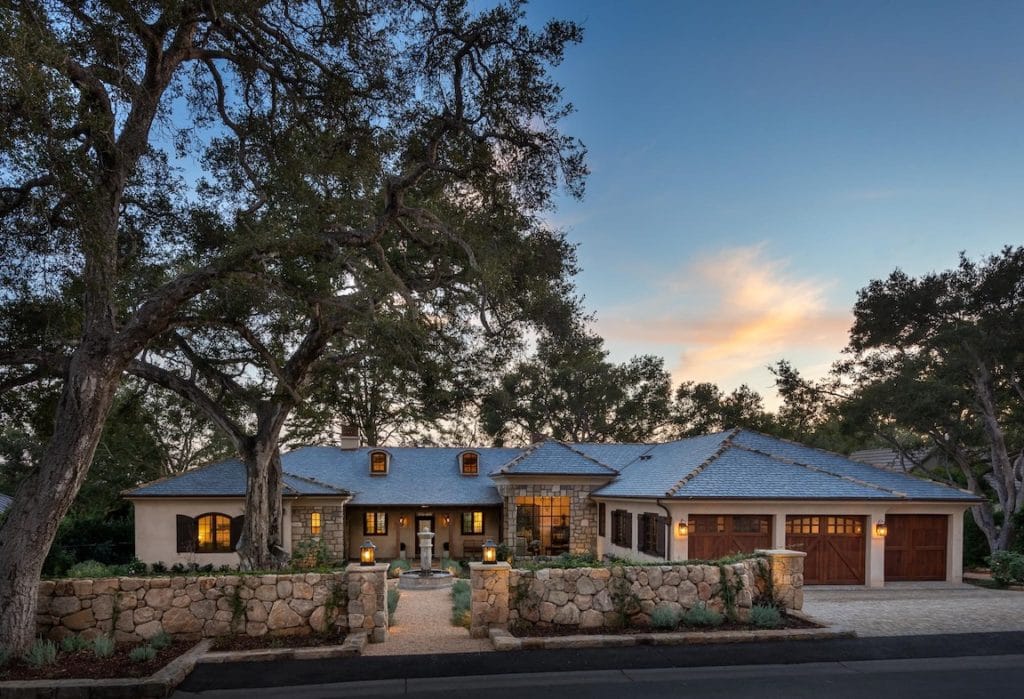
x=237 y=526
x=186 y=527
x=662 y=531
x=600 y=519
x=628 y=533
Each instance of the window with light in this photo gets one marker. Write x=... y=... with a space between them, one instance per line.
x=472 y=522
x=315 y=524
x=375 y=523
x=213 y=533
x=378 y=462
x=470 y=463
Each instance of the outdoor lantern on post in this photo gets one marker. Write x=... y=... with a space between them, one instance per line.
x=682 y=529
x=367 y=554
x=490 y=552
x=881 y=529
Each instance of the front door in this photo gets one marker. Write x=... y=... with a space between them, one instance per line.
x=424 y=523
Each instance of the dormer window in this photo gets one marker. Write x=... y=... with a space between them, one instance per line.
x=469 y=461
x=378 y=463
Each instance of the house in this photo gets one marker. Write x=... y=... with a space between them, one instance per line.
x=5 y=502
x=697 y=498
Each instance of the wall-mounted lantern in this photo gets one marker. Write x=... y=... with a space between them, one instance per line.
x=682 y=529
x=402 y=520
x=490 y=552
x=881 y=529
x=367 y=554
x=447 y=519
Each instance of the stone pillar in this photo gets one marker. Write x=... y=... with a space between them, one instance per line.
x=489 y=599
x=787 y=571
x=368 y=601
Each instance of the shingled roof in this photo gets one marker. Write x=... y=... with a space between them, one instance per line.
x=553 y=458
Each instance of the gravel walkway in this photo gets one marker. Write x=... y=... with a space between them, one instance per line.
x=901 y=609
x=423 y=625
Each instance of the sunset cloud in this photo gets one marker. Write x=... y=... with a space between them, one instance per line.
x=727 y=315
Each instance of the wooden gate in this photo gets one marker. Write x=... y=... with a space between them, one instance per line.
x=836 y=547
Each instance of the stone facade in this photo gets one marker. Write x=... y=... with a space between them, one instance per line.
x=582 y=511
x=588 y=598
x=136 y=609
x=332 y=527
x=368 y=601
x=489 y=584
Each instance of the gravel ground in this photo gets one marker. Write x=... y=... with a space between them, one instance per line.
x=901 y=609
x=423 y=625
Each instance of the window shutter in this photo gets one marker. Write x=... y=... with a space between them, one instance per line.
x=600 y=519
x=628 y=520
x=662 y=528
x=186 y=527
x=237 y=525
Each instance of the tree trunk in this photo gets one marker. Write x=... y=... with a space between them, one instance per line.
x=45 y=496
x=261 y=546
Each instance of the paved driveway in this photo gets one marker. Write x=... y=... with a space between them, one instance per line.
x=901 y=609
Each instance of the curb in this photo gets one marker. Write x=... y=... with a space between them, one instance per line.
x=353 y=645
x=160 y=684
x=503 y=640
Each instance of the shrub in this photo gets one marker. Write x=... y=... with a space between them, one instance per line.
x=665 y=618
x=1007 y=568
x=311 y=553
x=160 y=641
x=393 y=594
x=178 y=569
x=461 y=602
x=135 y=567
x=453 y=567
x=700 y=615
x=72 y=643
x=158 y=567
x=41 y=653
x=142 y=653
x=103 y=646
x=397 y=567
x=90 y=569
x=765 y=616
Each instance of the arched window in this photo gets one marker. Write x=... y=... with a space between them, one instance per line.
x=315 y=524
x=213 y=532
x=378 y=463
x=469 y=462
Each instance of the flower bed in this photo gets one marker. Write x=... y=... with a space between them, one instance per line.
x=235 y=643
x=85 y=664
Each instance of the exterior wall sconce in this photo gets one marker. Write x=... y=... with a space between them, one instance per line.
x=682 y=529
x=881 y=529
x=490 y=552
x=447 y=519
x=367 y=554
x=402 y=521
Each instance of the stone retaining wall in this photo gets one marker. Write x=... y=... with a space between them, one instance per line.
x=193 y=607
x=588 y=598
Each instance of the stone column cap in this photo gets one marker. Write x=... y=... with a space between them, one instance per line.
x=375 y=568
x=480 y=565
x=784 y=553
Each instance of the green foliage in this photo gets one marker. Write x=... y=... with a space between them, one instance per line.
x=729 y=588
x=158 y=568
x=665 y=618
x=506 y=552
x=70 y=644
x=397 y=567
x=976 y=550
x=702 y=408
x=142 y=654
x=700 y=615
x=765 y=616
x=565 y=561
x=91 y=569
x=461 y=603
x=161 y=640
x=41 y=653
x=103 y=646
x=393 y=596
x=624 y=600
x=87 y=537
x=1007 y=568
x=311 y=553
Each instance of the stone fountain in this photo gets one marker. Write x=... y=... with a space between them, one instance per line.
x=427 y=577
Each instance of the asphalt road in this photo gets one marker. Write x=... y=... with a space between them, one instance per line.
x=962 y=677
x=293 y=673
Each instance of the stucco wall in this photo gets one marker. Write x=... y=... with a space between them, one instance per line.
x=389 y=545
x=156 y=528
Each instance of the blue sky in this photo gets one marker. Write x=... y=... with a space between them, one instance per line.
x=754 y=164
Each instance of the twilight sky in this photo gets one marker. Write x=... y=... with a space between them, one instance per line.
x=755 y=163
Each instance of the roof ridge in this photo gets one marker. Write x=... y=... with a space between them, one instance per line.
x=518 y=458
x=588 y=457
x=726 y=443
x=825 y=471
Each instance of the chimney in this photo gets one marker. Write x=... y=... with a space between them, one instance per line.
x=351 y=437
x=537 y=437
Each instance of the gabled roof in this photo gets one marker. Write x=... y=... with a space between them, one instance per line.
x=5 y=502
x=745 y=464
x=551 y=457
x=227 y=478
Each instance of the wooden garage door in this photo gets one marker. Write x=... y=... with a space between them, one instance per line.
x=915 y=547
x=715 y=536
x=835 y=545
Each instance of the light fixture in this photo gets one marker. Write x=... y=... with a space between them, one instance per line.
x=447 y=520
x=402 y=521
x=367 y=554
x=490 y=552
x=881 y=529
x=682 y=529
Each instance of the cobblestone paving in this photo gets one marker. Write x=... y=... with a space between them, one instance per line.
x=917 y=608
x=423 y=625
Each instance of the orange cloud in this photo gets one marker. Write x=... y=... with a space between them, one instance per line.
x=726 y=316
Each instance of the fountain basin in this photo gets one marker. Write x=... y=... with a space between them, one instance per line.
x=417 y=580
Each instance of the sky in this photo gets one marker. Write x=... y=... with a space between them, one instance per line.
x=754 y=164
